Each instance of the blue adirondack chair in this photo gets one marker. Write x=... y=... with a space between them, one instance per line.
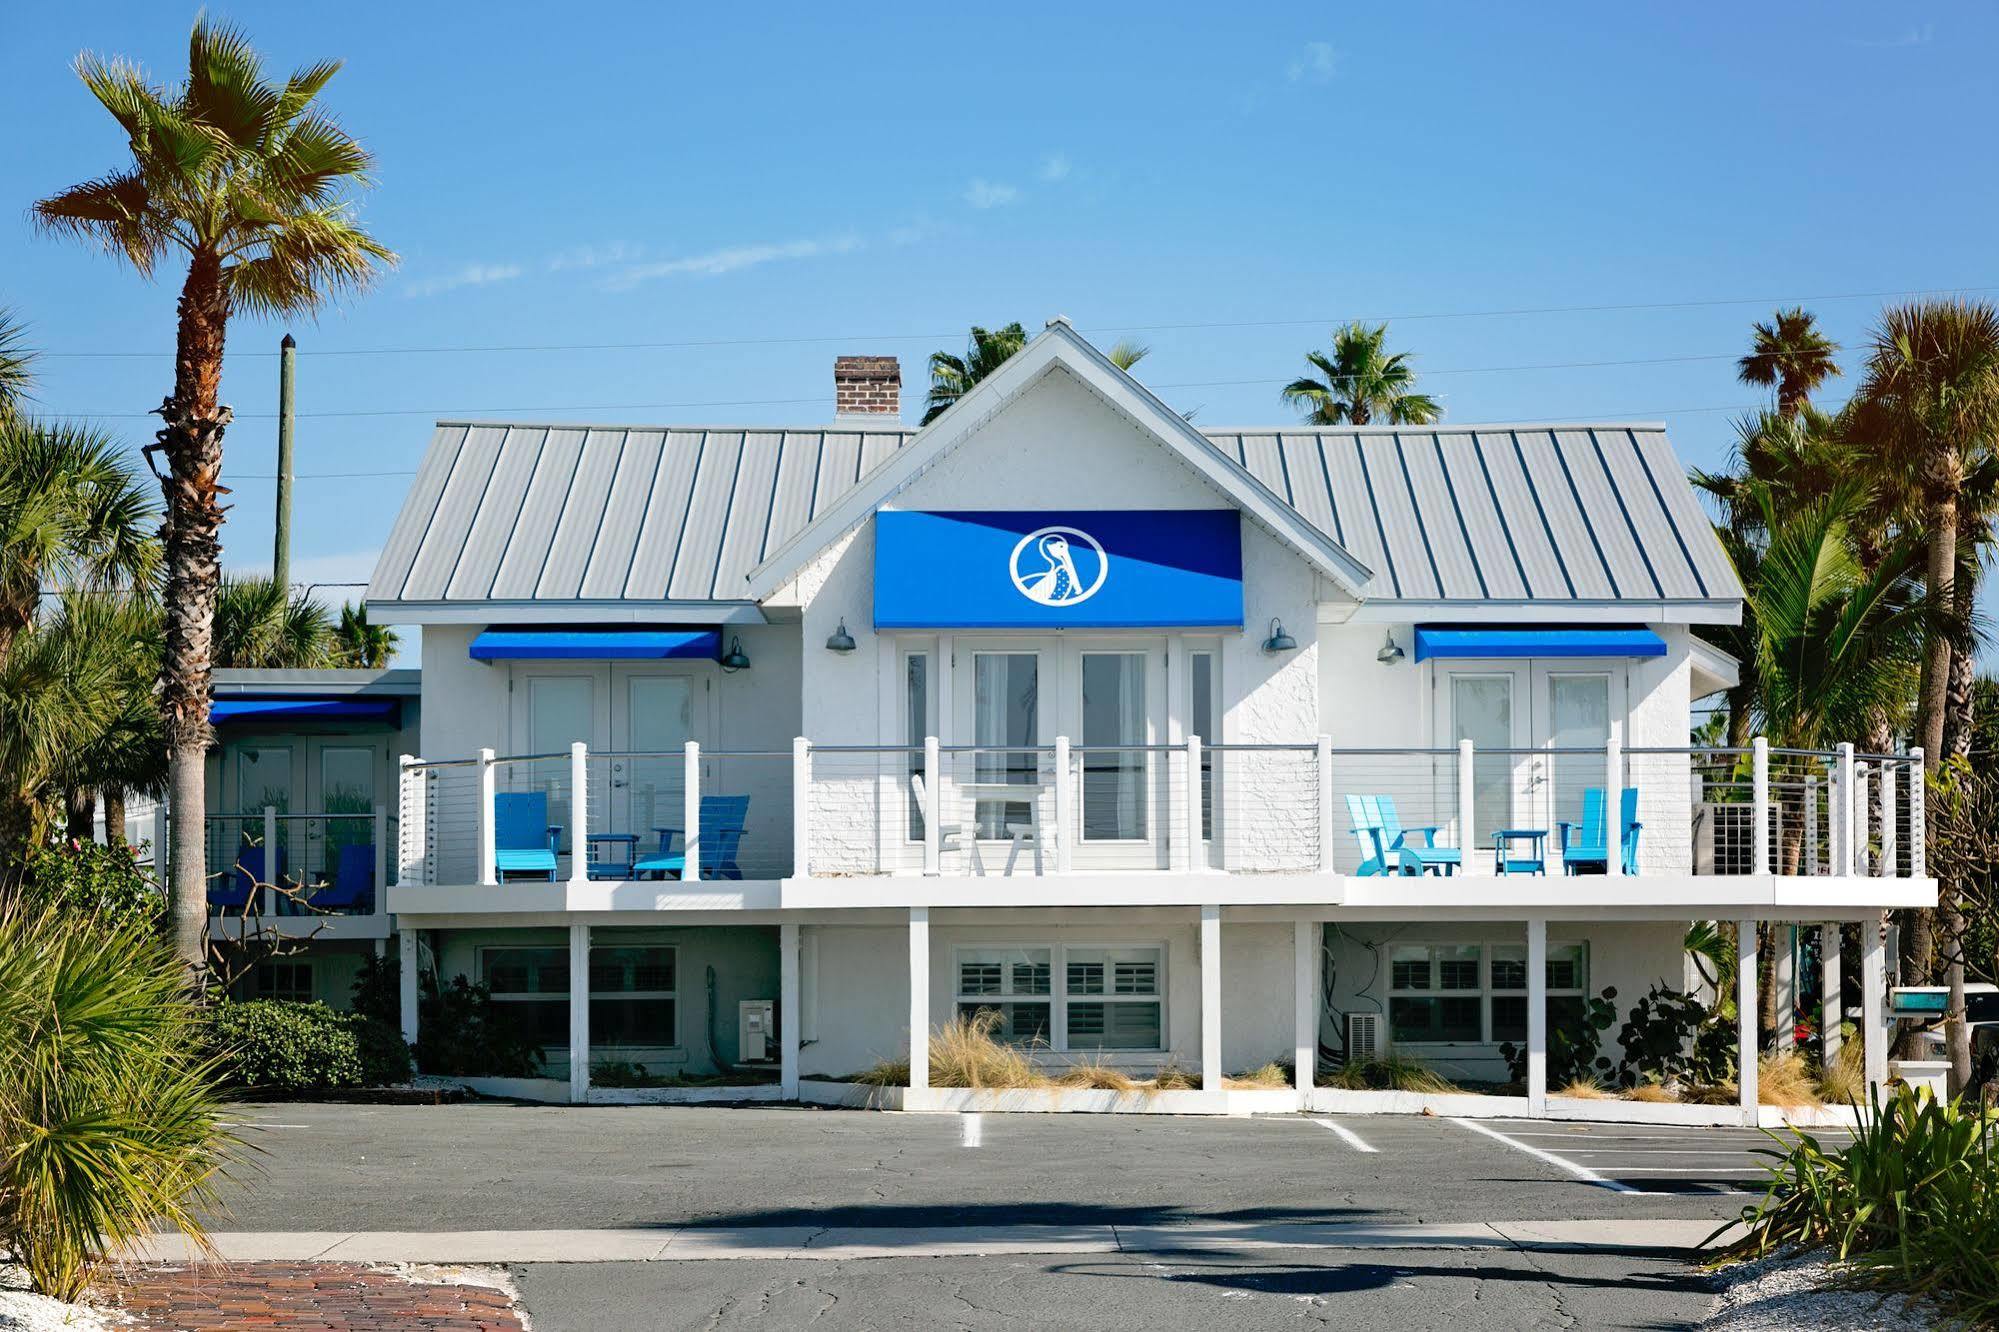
x=1589 y=853
x=722 y=820
x=353 y=886
x=1383 y=839
x=233 y=891
x=524 y=841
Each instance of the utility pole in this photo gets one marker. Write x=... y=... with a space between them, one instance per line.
x=281 y=554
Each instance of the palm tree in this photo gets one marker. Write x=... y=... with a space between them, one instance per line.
x=128 y=754
x=1790 y=353
x=249 y=179
x=60 y=687
x=952 y=377
x=16 y=365
x=360 y=643
x=1360 y=382
x=259 y=627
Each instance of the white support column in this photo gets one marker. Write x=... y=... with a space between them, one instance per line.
x=579 y=1012
x=1918 y=814
x=579 y=812
x=690 y=814
x=1856 y=818
x=487 y=854
x=1843 y=862
x=1537 y=1017
x=1832 y=1009
x=801 y=806
x=272 y=872
x=1759 y=788
x=1613 y=807
x=787 y=1010
x=1745 y=1018
x=381 y=865
x=1211 y=998
x=1784 y=980
x=1886 y=866
x=919 y=998
x=1467 y=829
x=933 y=805
x=1065 y=806
x=406 y=952
x=1305 y=935
x=1329 y=826
x=1873 y=1004
x=1185 y=861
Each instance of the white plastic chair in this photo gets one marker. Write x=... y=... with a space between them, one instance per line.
x=949 y=833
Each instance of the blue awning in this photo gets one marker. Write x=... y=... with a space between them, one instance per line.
x=596 y=645
x=1551 y=640
x=303 y=708
x=1101 y=569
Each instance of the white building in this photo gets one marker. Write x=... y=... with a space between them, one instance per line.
x=1066 y=708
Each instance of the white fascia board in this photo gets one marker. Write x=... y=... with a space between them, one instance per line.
x=1059 y=345
x=1714 y=670
x=564 y=612
x=400 y=682
x=1545 y=612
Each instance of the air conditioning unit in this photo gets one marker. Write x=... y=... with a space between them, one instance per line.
x=1365 y=1039
x=756 y=1029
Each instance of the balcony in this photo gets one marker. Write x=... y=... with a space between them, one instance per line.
x=297 y=873
x=826 y=825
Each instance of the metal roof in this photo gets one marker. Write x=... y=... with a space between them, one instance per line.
x=566 y=514
x=1476 y=513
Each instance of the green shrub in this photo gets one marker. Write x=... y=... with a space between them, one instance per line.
x=87 y=877
x=1572 y=1045
x=110 y=1117
x=461 y=1032
x=1671 y=1036
x=286 y=1047
x=377 y=990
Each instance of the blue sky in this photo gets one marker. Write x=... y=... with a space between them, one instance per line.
x=785 y=184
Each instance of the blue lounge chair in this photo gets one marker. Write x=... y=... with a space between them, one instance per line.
x=722 y=820
x=1385 y=844
x=1589 y=853
x=353 y=886
x=524 y=841
x=235 y=890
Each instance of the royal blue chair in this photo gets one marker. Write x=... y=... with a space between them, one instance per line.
x=353 y=886
x=234 y=891
x=524 y=841
x=1383 y=840
x=1590 y=854
x=722 y=820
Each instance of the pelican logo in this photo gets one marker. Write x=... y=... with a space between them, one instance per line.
x=1058 y=566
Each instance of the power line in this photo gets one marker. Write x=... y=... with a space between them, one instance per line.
x=686 y=343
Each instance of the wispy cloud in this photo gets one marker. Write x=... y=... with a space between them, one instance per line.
x=1921 y=35
x=915 y=231
x=732 y=259
x=1055 y=166
x=1317 y=63
x=471 y=275
x=596 y=256
x=983 y=193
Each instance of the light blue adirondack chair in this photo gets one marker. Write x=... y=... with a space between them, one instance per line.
x=1589 y=853
x=1383 y=840
x=722 y=820
x=524 y=841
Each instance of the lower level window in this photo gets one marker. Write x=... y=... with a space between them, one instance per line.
x=634 y=992
x=1108 y=998
x=1567 y=980
x=1014 y=986
x=286 y=982
x=1435 y=993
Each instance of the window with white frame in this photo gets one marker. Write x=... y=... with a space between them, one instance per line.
x=1083 y=998
x=1567 y=980
x=916 y=727
x=533 y=983
x=1435 y=993
x=287 y=982
x=634 y=995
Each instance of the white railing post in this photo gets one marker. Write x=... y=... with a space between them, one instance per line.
x=381 y=865
x=801 y=808
x=410 y=823
x=1759 y=797
x=579 y=812
x=1890 y=843
x=1918 y=815
x=1065 y=805
x=1812 y=824
x=1329 y=836
x=1843 y=865
x=1856 y=818
x=1467 y=790
x=690 y=814
x=1613 y=808
x=1185 y=859
x=271 y=871
x=488 y=855
x=933 y=806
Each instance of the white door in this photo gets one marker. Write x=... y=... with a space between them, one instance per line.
x=1113 y=708
x=1005 y=714
x=1575 y=716
x=1489 y=706
x=653 y=716
x=558 y=708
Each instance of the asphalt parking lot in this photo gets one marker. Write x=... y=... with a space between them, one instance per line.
x=1652 y=1160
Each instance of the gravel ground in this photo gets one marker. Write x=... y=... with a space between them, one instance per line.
x=21 y=1310
x=1793 y=1291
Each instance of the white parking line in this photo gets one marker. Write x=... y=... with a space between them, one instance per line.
x=1588 y=1176
x=1345 y=1135
x=975 y=1130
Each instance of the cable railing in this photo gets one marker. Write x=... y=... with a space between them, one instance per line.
x=952 y=810
x=299 y=862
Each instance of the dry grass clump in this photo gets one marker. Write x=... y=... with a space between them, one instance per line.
x=1273 y=1076
x=1844 y=1082
x=1585 y=1089
x=1094 y=1074
x=1172 y=1077
x=1651 y=1093
x=1783 y=1079
x=1389 y=1073
x=963 y=1053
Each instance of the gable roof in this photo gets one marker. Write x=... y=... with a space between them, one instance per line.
x=1499 y=515
x=1060 y=347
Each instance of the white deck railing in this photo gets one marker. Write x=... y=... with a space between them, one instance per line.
x=310 y=846
x=829 y=810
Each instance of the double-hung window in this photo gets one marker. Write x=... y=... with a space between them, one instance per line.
x=1435 y=993
x=534 y=985
x=1107 y=998
x=1113 y=999
x=634 y=995
x=1014 y=984
x=1567 y=979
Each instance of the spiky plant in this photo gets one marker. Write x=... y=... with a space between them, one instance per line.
x=1361 y=382
x=259 y=626
x=357 y=642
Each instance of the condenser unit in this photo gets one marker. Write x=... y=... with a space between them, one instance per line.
x=1364 y=1037
x=756 y=1028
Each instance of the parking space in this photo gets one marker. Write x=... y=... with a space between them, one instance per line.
x=1647 y=1159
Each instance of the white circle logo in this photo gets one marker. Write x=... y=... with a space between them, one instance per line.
x=1058 y=566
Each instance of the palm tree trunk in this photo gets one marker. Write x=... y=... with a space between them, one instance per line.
x=1740 y=699
x=114 y=816
x=1942 y=575
x=192 y=440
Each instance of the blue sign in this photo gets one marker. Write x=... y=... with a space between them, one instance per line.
x=1093 y=569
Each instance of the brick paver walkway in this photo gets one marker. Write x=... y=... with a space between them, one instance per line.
x=303 y=1297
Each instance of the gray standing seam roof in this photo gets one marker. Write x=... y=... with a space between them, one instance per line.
x=555 y=514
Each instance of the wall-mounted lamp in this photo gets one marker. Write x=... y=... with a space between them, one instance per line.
x=1391 y=651
x=735 y=659
x=840 y=640
x=1279 y=641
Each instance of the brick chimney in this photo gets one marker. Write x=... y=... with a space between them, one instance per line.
x=867 y=386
